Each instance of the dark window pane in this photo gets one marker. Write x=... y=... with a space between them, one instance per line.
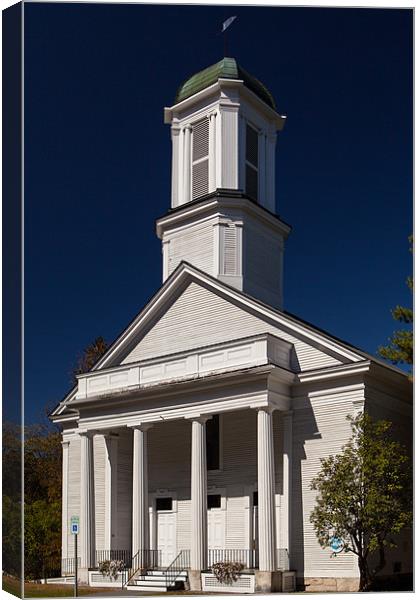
x=251 y=183
x=163 y=503
x=213 y=443
x=214 y=501
x=255 y=499
x=252 y=146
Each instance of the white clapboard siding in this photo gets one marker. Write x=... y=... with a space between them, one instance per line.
x=73 y=488
x=199 y=317
x=99 y=479
x=264 y=259
x=194 y=245
x=183 y=530
x=318 y=431
x=122 y=540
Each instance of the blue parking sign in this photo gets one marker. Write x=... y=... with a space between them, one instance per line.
x=74 y=525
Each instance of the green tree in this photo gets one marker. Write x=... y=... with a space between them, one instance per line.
x=364 y=495
x=400 y=347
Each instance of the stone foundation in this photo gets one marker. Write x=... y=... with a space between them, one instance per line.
x=194 y=580
x=329 y=584
x=267 y=581
x=83 y=576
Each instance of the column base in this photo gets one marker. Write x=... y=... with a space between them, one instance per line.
x=83 y=576
x=268 y=581
x=194 y=579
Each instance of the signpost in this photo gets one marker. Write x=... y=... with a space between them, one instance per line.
x=74 y=529
x=336 y=544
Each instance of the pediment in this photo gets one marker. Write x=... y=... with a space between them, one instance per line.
x=194 y=310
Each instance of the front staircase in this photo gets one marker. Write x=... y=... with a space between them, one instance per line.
x=147 y=575
x=157 y=581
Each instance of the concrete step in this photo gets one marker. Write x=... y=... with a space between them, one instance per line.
x=158 y=578
x=146 y=588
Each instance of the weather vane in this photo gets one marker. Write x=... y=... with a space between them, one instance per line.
x=225 y=26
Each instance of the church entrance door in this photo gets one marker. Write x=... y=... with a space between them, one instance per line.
x=166 y=530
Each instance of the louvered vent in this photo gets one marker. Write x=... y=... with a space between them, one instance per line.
x=230 y=266
x=200 y=159
x=200 y=179
x=251 y=157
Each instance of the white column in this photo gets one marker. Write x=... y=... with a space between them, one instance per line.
x=241 y=151
x=175 y=131
x=199 y=548
x=140 y=536
x=212 y=152
x=187 y=163
x=180 y=176
x=266 y=485
x=271 y=172
x=65 y=524
x=111 y=457
x=87 y=508
x=287 y=481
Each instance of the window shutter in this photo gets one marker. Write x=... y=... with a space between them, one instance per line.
x=200 y=159
x=230 y=266
x=251 y=158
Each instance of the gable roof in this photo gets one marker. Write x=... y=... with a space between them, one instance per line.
x=186 y=273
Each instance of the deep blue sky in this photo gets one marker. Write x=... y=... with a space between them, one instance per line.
x=97 y=164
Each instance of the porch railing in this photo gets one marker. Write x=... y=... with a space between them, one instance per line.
x=143 y=560
x=283 y=561
x=249 y=558
x=179 y=564
x=68 y=566
x=124 y=555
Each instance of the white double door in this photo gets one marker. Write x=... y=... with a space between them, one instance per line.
x=166 y=533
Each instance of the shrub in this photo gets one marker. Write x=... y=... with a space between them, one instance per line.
x=227 y=572
x=111 y=568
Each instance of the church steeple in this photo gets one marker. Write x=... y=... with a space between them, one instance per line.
x=224 y=125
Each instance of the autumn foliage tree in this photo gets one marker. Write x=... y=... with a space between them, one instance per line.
x=42 y=476
x=364 y=495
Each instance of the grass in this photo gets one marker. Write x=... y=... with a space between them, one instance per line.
x=47 y=590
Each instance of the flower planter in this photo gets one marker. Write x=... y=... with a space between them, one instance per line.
x=245 y=584
x=96 y=579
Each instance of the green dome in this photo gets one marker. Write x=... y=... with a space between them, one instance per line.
x=227 y=68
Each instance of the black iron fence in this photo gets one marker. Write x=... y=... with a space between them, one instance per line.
x=249 y=558
x=178 y=565
x=125 y=555
x=143 y=560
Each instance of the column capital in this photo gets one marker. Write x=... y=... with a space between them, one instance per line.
x=65 y=443
x=141 y=426
x=268 y=409
x=199 y=418
x=188 y=128
x=88 y=433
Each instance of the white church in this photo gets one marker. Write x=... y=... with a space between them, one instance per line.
x=194 y=439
